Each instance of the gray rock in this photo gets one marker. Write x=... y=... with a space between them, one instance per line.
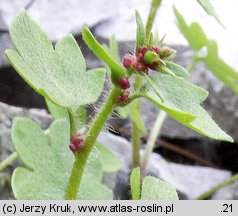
x=200 y=178
x=59 y=18
x=190 y=180
x=229 y=192
x=118 y=182
x=5 y=43
x=7 y=114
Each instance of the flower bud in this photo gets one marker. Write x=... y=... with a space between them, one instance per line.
x=166 y=52
x=150 y=57
x=141 y=52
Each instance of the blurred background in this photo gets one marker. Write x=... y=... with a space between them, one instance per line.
x=106 y=17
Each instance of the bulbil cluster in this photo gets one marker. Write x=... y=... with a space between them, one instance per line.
x=123 y=98
x=124 y=85
x=147 y=58
x=77 y=143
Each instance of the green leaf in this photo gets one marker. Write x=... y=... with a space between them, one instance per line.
x=182 y=102
x=197 y=39
x=113 y=46
x=135 y=183
x=48 y=162
x=155 y=189
x=166 y=70
x=110 y=162
x=155 y=4
x=57 y=111
x=56 y=73
x=219 y=68
x=193 y=33
x=207 y=6
x=134 y=114
x=113 y=51
x=177 y=70
x=117 y=71
x=140 y=31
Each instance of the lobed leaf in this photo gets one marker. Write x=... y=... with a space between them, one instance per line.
x=57 y=111
x=155 y=189
x=219 y=68
x=59 y=73
x=181 y=100
x=48 y=162
x=193 y=33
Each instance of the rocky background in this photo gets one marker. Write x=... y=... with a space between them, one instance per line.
x=105 y=17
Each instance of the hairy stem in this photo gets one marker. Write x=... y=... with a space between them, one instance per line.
x=152 y=139
x=8 y=161
x=151 y=18
x=135 y=146
x=217 y=187
x=135 y=130
x=82 y=156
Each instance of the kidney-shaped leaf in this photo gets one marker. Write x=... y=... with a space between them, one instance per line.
x=181 y=100
x=49 y=161
x=58 y=73
x=155 y=189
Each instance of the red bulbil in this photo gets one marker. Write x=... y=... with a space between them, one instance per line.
x=123 y=98
x=128 y=61
x=153 y=66
x=76 y=138
x=119 y=99
x=141 y=52
x=124 y=83
x=141 y=67
x=73 y=148
x=77 y=143
x=156 y=48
